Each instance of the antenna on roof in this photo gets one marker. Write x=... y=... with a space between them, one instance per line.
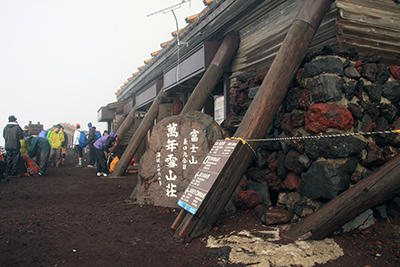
x=168 y=9
x=179 y=43
x=171 y=9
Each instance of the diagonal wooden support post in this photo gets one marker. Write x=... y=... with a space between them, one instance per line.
x=196 y=101
x=364 y=195
x=138 y=136
x=206 y=85
x=126 y=124
x=260 y=114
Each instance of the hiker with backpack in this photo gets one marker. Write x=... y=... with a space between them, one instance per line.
x=41 y=145
x=78 y=143
x=92 y=137
x=103 y=145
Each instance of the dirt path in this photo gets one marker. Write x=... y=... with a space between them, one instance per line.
x=70 y=217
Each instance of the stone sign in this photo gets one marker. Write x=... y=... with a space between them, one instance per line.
x=206 y=175
x=177 y=146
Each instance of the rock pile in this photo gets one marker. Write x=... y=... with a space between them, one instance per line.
x=336 y=91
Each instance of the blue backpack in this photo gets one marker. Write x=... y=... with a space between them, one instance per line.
x=97 y=136
x=83 y=139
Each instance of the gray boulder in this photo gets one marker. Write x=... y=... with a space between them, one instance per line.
x=327 y=178
x=333 y=147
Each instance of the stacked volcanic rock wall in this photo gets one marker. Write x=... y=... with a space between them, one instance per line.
x=336 y=91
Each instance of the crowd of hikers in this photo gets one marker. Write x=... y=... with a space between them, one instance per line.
x=25 y=154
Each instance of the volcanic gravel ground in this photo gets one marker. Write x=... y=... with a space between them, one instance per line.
x=71 y=217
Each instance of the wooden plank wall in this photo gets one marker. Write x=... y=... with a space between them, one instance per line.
x=263 y=31
x=367 y=25
x=370 y=26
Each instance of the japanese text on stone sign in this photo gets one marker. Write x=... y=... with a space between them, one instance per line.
x=179 y=151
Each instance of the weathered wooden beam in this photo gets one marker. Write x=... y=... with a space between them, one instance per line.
x=210 y=78
x=123 y=127
x=178 y=220
x=164 y=111
x=138 y=136
x=265 y=105
x=221 y=60
x=116 y=127
x=167 y=100
x=126 y=124
x=364 y=195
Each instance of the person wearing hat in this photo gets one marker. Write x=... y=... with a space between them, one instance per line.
x=12 y=134
x=27 y=132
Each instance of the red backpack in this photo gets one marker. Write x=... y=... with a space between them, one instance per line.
x=31 y=166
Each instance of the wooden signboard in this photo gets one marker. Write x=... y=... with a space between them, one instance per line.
x=199 y=199
x=207 y=174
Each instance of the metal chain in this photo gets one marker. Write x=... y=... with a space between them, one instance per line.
x=322 y=136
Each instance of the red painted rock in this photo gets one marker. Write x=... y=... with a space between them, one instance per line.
x=395 y=71
x=322 y=116
x=241 y=187
x=247 y=199
x=292 y=182
x=177 y=107
x=358 y=65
